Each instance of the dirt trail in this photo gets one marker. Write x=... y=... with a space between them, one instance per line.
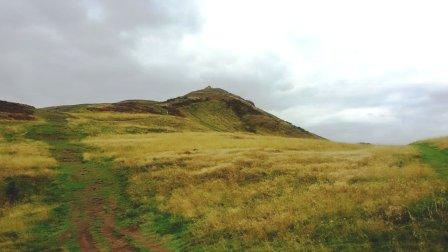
x=93 y=188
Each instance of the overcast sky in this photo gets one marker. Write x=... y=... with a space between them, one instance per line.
x=349 y=70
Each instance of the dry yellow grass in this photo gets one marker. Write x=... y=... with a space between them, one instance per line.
x=21 y=156
x=24 y=157
x=137 y=150
x=122 y=123
x=16 y=220
x=441 y=143
x=250 y=191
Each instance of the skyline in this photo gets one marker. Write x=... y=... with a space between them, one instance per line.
x=351 y=71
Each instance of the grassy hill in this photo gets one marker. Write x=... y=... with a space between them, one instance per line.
x=209 y=171
x=209 y=109
x=16 y=111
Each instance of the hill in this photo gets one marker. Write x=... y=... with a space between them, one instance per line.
x=209 y=109
x=209 y=171
x=16 y=111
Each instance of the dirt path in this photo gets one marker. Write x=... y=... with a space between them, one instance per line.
x=93 y=192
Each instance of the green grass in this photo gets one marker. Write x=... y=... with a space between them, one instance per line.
x=428 y=218
x=216 y=116
x=437 y=158
x=59 y=231
x=148 y=217
x=47 y=234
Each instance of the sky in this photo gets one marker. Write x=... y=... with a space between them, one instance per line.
x=349 y=70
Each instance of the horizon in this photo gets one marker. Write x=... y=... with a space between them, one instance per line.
x=339 y=72
x=138 y=99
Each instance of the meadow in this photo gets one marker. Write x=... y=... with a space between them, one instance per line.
x=25 y=166
x=236 y=191
x=130 y=123
x=76 y=179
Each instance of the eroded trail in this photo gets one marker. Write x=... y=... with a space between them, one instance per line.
x=90 y=191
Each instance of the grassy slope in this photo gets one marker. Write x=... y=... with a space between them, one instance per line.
x=75 y=209
x=203 y=110
x=25 y=171
x=433 y=211
x=437 y=158
x=202 y=190
x=221 y=191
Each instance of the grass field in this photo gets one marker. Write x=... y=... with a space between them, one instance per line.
x=25 y=167
x=130 y=123
x=80 y=180
x=221 y=191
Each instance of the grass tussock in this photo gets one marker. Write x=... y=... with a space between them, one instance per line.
x=239 y=191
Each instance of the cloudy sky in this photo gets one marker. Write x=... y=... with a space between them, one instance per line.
x=349 y=70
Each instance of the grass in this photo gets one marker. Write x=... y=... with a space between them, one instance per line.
x=95 y=124
x=222 y=191
x=48 y=233
x=26 y=171
x=20 y=156
x=188 y=183
x=215 y=115
x=139 y=149
x=16 y=220
x=435 y=152
x=25 y=157
x=437 y=158
x=440 y=143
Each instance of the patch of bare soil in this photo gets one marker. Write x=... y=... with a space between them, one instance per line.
x=94 y=207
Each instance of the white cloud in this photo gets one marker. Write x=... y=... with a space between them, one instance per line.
x=353 y=40
x=351 y=70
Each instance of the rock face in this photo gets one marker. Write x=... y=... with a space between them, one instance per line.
x=16 y=111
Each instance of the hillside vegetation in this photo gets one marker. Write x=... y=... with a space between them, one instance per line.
x=441 y=143
x=16 y=111
x=209 y=171
x=25 y=170
x=435 y=152
x=209 y=109
x=216 y=191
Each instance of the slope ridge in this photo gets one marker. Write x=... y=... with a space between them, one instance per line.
x=214 y=109
x=208 y=109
